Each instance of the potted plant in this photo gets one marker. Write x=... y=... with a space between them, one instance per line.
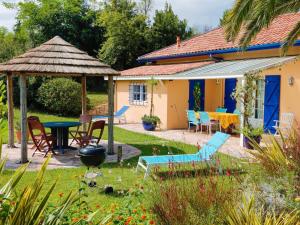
x=18 y=131
x=150 y=121
x=251 y=134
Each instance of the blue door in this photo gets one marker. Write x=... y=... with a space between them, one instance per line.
x=229 y=102
x=272 y=101
x=191 y=93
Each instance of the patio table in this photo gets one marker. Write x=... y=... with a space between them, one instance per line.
x=60 y=130
x=226 y=119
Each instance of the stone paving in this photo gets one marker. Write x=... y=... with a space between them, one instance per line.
x=69 y=159
x=231 y=147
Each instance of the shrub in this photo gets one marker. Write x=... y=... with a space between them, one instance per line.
x=61 y=96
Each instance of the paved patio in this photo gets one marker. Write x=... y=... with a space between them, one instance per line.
x=231 y=147
x=68 y=160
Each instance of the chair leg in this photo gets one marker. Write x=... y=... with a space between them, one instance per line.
x=147 y=172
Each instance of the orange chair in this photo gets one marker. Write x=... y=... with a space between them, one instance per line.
x=86 y=121
x=90 y=138
x=40 y=138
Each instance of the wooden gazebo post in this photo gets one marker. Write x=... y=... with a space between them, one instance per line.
x=23 y=119
x=10 y=110
x=110 y=115
x=83 y=97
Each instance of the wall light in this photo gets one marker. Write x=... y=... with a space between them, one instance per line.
x=291 y=80
x=218 y=81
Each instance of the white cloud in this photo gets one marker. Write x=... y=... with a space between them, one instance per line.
x=7 y=16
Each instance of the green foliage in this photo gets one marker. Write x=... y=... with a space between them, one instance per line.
x=151 y=119
x=252 y=132
x=166 y=27
x=197 y=97
x=61 y=96
x=73 y=20
x=3 y=107
x=125 y=33
x=254 y=15
x=248 y=214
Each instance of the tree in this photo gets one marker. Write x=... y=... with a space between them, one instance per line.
x=125 y=33
x=254 y=15
x=73 y=20
x=145 y=7
x=166 y=27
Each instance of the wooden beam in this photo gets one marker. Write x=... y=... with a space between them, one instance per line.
x=110 y=115
x=23 y=119
x=83 y=95
x=10 y=111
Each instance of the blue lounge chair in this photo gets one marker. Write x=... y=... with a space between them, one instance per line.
x=192 y=120
x=203 y=155
x=221 y=110
x=120 y=114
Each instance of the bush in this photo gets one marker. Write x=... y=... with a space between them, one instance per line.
x=61 y=96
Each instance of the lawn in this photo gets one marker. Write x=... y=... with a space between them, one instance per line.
x=97 y=98
x=121 y=177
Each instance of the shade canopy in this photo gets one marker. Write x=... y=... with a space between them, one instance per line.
x=56 y=57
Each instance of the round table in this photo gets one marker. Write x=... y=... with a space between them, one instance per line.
x=60 y=130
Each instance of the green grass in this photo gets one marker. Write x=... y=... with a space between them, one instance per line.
x=68 y=178
x=97 y=98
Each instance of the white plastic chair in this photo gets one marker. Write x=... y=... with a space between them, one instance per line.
x=284 y=124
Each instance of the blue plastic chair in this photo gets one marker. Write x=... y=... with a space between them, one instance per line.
x=206 y=121
x=120 y=114
x=221 y=110
x=237 y=112
x=192 y=120
x=203 y=155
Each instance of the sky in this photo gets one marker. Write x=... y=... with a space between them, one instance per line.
x=198 y=13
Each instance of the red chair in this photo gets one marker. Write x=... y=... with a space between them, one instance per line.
x=86 y=121
x=42 y=141
x=90 y=138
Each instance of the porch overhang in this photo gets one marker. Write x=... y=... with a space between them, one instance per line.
x=220 y=70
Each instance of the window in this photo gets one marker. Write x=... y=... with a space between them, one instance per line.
x=259 y=100
x=137 y=94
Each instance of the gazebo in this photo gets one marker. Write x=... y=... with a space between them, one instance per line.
x=55 y=57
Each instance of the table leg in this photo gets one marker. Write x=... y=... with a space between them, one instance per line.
x=65 y=137
x=60 y=139
x=54 y=135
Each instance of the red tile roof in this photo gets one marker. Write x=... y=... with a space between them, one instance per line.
x=149 y=70
x=215 y=39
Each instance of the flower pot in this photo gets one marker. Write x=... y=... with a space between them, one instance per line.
x=247 y=142
x=149 y=126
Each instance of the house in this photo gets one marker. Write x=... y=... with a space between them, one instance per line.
x=217 y=66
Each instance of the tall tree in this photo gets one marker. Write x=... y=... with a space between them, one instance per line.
x=254 y=15
x=73 y=20
x=166 y=27
x=125 y=33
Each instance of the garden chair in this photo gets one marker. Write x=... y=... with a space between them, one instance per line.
x=192 y=120
x=120 y=115
x=207 y=122
x=221 y=110
x=83 y=129
x=203 y=155
x=90 y=138
x=284 y=124
x=42 y=141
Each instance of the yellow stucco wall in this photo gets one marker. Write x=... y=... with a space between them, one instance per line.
x=214 y=94
x=135 y=112
x=289 y=95
x=178 y=96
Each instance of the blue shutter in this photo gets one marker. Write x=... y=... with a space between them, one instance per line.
x=191 y=95
x=272 y=101
x=229 y=102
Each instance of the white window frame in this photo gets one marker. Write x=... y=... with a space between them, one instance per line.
x=257 y=117
x=138 y=94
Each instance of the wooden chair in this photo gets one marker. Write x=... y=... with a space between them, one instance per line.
x=40 y=138
x=86 y=121
x=90 y=138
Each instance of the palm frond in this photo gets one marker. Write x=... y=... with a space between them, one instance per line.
x=291 y=38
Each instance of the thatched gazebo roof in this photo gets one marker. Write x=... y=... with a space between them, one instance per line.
x=56 y=57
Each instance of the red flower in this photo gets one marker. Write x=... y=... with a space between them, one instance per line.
x=228 y=173
x=143 y=217
x=151 y=222
x=120 y=217
x=60 y=194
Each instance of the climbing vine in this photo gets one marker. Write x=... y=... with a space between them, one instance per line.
x=197 y=97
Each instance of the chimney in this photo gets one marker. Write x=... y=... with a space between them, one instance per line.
x=178 y=41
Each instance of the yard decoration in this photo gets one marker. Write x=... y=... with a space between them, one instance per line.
x=243 y=94
x=150 y=122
